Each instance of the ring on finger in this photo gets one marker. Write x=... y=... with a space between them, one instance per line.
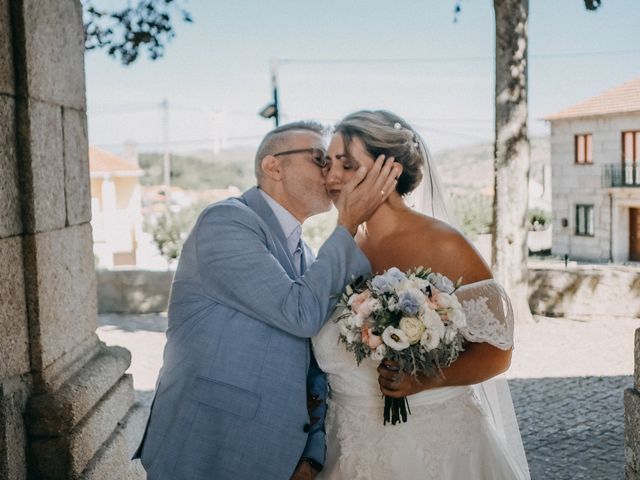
x=382 y=192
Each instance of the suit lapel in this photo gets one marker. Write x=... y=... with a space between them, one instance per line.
x=255 y=201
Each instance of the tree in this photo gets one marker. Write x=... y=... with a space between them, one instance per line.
x=511 y=154
x=511 y=150
x=147 y=24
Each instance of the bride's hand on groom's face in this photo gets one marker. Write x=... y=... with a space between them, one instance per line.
x=366 y=191
x=397 y=383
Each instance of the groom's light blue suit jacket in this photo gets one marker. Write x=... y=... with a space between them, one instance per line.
x=231 y=398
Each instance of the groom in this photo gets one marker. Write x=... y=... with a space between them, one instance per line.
x=231 y=398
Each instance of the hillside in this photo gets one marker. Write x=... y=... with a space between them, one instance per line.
x=465 y=171
x=469 y=170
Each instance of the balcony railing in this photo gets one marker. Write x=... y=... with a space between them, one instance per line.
x=621 y=175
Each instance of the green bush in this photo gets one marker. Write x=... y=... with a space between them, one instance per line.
x=170 y=229
x=538 y=219
x=473 y=214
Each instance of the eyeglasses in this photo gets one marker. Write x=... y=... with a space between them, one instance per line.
x=318 y=155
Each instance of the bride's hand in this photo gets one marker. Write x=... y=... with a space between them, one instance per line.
x=397 y=383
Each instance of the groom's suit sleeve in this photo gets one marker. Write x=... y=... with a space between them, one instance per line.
x=317 y=385
x=239 y=270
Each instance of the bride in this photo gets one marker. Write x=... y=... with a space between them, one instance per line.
x=461 y=426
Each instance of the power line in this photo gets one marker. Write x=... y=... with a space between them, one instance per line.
x=416 y=60
x=177 y=143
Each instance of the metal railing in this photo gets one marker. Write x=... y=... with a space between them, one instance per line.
x=617 y=175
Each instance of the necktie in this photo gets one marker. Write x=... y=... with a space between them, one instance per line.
x=298 y=256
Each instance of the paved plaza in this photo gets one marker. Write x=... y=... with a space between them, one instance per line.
x=567 y=379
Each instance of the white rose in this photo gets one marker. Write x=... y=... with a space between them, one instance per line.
x=457 y=317
x=430 y=340
x=445 y=300
x=395 y=338
x=429 y=316
x=420 y=283
x=434 y=331
x=413 y=328
x=379 y=353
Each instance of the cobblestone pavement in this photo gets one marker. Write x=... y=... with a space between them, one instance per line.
x=572 y=428
x=568 y=399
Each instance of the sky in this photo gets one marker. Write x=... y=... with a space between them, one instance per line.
x=338 y=56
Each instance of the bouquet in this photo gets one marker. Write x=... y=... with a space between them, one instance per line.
x=411 y=318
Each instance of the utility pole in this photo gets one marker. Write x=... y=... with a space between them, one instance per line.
x=274 y=86
x=164 y=106
x=272 y=110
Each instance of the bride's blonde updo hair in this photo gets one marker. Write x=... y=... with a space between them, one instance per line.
x=385 y=133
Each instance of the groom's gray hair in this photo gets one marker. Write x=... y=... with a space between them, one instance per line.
x=277 y=138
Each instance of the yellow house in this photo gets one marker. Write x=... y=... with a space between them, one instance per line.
x=115 y=207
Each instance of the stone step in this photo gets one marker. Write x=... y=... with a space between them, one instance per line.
x=66 y=456
x=116 y=452
x=57 y=413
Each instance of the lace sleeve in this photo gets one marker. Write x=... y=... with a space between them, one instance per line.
x=489 y=314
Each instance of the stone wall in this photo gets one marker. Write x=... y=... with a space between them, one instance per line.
x=632 y=420
x=555 y=291
x=133 y=291
x=585 y=291
x=66 y=405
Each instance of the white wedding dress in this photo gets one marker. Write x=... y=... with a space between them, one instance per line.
x=452 y=433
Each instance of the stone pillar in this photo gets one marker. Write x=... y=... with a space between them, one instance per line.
x=632 y=420
x=65 y=401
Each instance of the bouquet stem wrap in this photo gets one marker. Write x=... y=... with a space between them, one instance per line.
x=396 y=410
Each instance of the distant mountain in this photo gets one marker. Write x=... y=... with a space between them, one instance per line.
x=469 y=170
x=465 y=171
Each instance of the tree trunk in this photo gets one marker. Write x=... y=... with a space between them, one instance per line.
x=511 y=154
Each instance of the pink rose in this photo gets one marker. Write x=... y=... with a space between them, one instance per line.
x=368 y=338
x=356 y=301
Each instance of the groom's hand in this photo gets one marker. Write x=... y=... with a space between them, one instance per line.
x=304 y=471
x=313 y=402
x=366 y=191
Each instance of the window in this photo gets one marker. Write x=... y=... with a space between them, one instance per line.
x=631 y=157
x=584 y=220
x=583 y=150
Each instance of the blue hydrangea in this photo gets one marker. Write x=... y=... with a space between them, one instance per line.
x=409 y=301
x=388 y=281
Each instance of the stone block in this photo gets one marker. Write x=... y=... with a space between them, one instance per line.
x=67 y=456
x=13 y=435
x=77 y=186
x=6 y=50
x=14 y=335
x=39 y=133
x=632 y=432
x=10 y=220
x=114 y=456
x=61 y=292
x=57 y=413
x=636 y=356
x=53 y=65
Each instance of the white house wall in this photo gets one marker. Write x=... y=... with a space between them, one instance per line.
x=574 y=184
